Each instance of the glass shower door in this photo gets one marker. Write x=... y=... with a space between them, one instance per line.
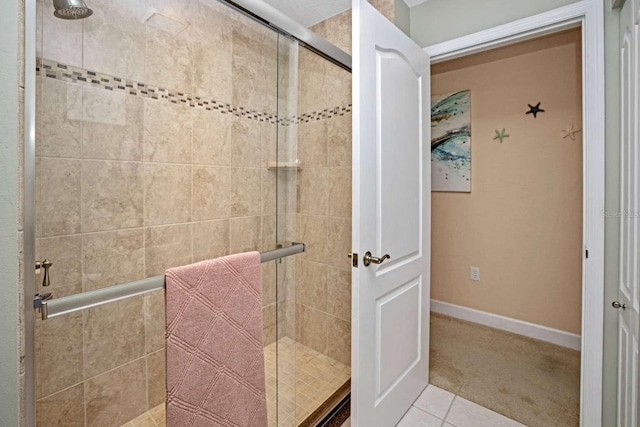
x=158 y=145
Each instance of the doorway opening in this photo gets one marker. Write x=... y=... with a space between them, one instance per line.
x=508 y=240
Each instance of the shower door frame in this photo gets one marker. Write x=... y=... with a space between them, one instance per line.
x=256 y=10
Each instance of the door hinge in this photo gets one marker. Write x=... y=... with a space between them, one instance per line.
x=354 y=259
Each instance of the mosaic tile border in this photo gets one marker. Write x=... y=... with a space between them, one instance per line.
x=69 y=73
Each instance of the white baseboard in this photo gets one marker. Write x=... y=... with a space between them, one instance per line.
x=542 y=333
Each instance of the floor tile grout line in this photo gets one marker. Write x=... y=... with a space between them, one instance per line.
x=449 y=408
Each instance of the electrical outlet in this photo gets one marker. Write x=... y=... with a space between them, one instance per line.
x=475 y=273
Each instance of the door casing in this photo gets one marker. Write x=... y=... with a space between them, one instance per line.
x=589 y=15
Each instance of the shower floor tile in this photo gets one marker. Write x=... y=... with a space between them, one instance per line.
x=155 y=417
x=306 y=380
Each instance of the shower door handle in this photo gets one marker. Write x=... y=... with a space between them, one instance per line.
x=369 y=259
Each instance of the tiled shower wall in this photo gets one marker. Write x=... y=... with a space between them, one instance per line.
x=323 y=281
x=136 y=174
x=323 y=274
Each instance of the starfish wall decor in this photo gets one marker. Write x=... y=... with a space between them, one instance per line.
x=570 y=133
x=535 y=110
x=500 y=135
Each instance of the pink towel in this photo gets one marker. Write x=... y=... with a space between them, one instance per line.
x=215 y=358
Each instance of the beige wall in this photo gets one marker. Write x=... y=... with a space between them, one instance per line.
x=522 y=222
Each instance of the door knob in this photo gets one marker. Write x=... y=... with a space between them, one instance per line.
x=368 y=259
x=616 y=304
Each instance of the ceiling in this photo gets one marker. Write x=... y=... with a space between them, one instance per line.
x=309 y=12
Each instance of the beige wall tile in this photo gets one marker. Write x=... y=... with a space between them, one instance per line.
x=312 y=328
x=210 y=239
x=167 y=192
x=114 y=39
x=313 y=191
x=38 y=197
x=112 y=258
x=339 y=191
x=311 y=284
x=211 y=194
x=60 y=197
x=273 y=138
x=117 y=396
x=254 y=73
x=312 y=230
x=169 y=59
x=63 y=409
x=112 y=125
x=337 y=30
x=339 y=140
x=311 y=82
x=245 y=142
x=268 y=275
x=286 y=319
x=210 y=32
x=112 y=195
x=245 y=195
x=386 y=7
x=339 y=293
x=312 y=143
x=66 y=272
x=339 y=340
x=269 y=240
x=61 y=119
x=338 y=86
x=339 y=242
x=269 y=191
x=269 y=315
x=245 y=234
x=63 y=41
x=113 y=335
x=59 y=361
x=168 y=132
x=213 y=75
x=166 y=247
x=212 y=138
x=154 y=321
x=156 y=374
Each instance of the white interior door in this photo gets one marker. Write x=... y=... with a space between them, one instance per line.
x=391 y=215
x=628 y=303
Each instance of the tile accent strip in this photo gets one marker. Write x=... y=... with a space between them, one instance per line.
x=68 y=73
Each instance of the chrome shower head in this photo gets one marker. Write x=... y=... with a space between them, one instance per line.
x=71 y=9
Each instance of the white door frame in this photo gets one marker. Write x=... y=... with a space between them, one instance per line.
x=589 y=14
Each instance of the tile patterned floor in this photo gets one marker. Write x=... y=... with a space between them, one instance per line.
x=439 y=408
x=306 y=379
x=155 y=417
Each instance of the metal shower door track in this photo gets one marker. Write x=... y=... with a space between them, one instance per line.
x=280 y=22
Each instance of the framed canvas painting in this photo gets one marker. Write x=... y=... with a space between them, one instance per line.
x=451 y=142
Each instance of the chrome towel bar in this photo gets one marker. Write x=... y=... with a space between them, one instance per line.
x=50 y=307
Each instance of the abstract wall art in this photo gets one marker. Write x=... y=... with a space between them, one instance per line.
x=451 y=142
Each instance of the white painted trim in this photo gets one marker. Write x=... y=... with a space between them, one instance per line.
x=412 y=3
x=522 y=29
x=531 y=330
x=590 y=15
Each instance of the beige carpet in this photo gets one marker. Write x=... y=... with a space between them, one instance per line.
x=530 y=381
